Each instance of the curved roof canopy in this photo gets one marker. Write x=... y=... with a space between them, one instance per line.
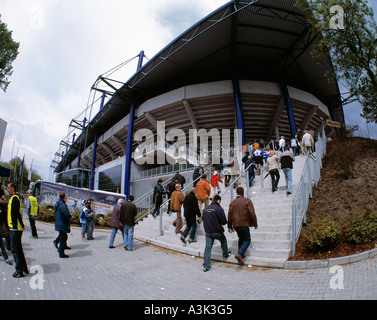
x=266 y=40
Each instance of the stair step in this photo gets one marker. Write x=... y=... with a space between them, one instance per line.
x=270 y=243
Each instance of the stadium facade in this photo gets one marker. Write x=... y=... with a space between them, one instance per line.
x=246 y=66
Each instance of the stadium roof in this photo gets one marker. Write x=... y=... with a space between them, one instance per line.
x=265 y=40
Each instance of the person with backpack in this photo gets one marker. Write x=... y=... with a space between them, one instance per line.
x=85 y=214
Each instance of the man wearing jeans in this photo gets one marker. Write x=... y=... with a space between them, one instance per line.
x=286 y=160
x=241 y=217
x=128 y=213
x=213 y=220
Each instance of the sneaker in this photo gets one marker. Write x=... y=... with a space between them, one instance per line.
x=111 y=247
x=183 y=239
x=206 y=269
x=8 y=262
x=191 y=241
x=63 y=256
x=227 y=255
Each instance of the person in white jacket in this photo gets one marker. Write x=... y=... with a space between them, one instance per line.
x=273 y=169
x=307 y=143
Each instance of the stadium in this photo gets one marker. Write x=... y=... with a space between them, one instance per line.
x=246 y=66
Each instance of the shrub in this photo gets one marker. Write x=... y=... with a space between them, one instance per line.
x=362 y=226
x=105 y=222
x=47 y=215
x=75 y=217
x=323 y=235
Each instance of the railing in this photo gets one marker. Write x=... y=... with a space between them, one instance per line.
x=233 y=183
x=189 y=185
x=164 y=170
x=300 y=201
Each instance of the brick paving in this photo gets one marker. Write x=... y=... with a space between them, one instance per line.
x=94 y=271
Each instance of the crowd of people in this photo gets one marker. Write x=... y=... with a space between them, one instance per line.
x=12 y=225
x=201 y=205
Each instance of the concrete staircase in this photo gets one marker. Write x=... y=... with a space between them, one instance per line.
x=270 y=243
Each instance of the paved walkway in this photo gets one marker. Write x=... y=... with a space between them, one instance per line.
x=94 y=271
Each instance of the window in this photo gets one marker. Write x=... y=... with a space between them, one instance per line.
x=110 y=179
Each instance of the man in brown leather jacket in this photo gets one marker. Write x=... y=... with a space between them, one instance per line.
x=241 y=216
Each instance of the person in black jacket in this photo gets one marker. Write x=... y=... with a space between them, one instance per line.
x=213 y=219
x=191 y=211
x=198 y=172
x=128 y=212
x=286 y=160
x=16 y=228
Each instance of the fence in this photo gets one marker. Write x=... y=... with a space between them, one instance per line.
x=311 y=173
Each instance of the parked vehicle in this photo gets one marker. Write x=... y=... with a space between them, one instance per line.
x=47 y=194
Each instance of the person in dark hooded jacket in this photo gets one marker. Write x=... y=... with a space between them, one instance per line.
x=213 y=219
x=62 y=224
x=191 y=211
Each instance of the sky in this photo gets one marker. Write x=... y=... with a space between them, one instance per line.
x=66 y=45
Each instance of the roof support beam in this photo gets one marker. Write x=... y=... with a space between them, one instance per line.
x=276 y=120
x=288 y=104
x=308 y=117
x=101 y=156
x=110 y=151
x=190 y=113
x=151 y=119
x=120 y=144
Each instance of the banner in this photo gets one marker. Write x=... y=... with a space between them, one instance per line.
x=3 y=127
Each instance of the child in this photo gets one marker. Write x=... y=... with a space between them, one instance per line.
x=85 y=213
x=214 y=183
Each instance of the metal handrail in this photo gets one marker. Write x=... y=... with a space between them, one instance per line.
x=306 y=191
x=167 y=200
x=242 y=174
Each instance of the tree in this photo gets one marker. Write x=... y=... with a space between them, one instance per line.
x=8 y=53
x=347 y=34
x=15 y=164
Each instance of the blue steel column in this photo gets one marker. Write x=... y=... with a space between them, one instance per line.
x=73 y=141
x=79 y=156
x=127 y=177
x=288 y=104
x=93 y=171
x=239 y=111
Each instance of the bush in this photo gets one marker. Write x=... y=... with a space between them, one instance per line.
x=362 y=226
x=75 y=217
x=105 y=222
x=323 y=235
x=47 y=215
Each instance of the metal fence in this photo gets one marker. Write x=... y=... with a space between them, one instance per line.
x=311 y=175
